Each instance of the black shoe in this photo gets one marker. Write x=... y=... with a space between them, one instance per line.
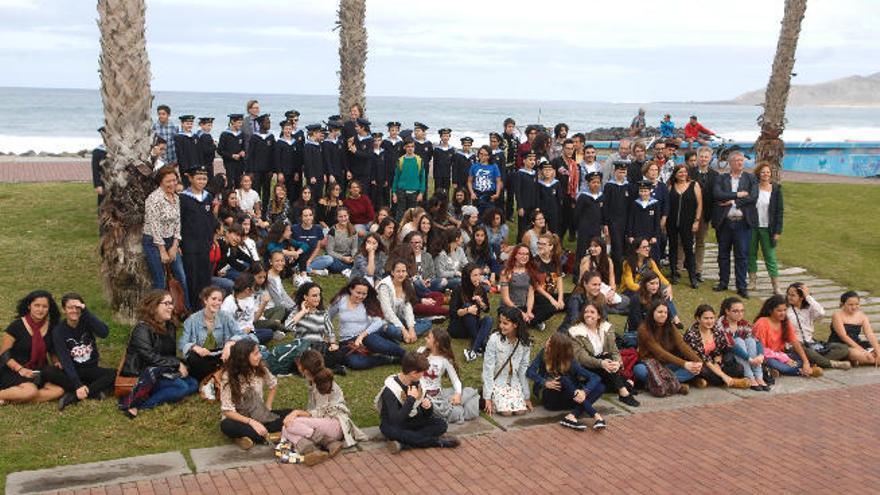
x=628 y=400
x=744 y=293
x=700 y=277
x=599 y=424
x=674 y=279
x=719 y=288
x=573 y=424
x=757 y=388
x=340 y=370
x=66 y=400
x=679 y=325
x=765 y=388
x=448 y=442
x=693 y=280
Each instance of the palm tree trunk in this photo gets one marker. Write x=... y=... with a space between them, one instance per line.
x=125 y=92
x=352 y=53
x=769 y=146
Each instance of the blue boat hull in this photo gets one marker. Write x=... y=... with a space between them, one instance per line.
x=856 y=159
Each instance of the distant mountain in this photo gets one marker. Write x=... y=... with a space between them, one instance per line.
x=847 y=91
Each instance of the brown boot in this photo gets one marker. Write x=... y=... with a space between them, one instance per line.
x=753 y=281
x=742 y=383
x=684 y=390
x=334 y=447
x=305 y=446
x=699 y=382
x=774 y=281
x=817 y=372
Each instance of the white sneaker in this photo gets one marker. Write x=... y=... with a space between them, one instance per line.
x=300 y=279
x=346 y=273
x=322 y=272
x=208 y=391
x=469 y=355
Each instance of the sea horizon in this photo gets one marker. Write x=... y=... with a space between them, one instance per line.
x=56 y=120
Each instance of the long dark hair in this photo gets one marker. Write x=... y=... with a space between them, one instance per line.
x=303 y=291
x=362 y=249
x=24 y=306
x=276 y=231
x=770 y=304
x=799 y=288
x=663 y=334
x=601 y=262
x=645 y=297
x=443 y=343
x=409 y=291
x=632 y=257
x=371 y=303
x=728 y=303
x=456 y=207
x=146 y=311
x=468 y=289
x=239 y=370
x=515 y=316
x=480 y=252
x=557 y=360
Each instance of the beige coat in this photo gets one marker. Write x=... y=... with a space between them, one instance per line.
x=583 y=348
x=333 y=405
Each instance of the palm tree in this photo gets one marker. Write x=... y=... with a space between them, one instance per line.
x=769 y=146
x=125 y=92
x=352 y=53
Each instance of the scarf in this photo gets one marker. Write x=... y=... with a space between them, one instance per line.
x=38 y=344
x=574 y=179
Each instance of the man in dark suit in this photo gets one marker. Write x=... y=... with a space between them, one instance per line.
x=733 y=217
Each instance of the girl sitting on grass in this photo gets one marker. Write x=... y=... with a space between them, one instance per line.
x=505 y=386
x=455 y=405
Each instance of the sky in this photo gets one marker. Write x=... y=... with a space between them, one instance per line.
x=596 y=50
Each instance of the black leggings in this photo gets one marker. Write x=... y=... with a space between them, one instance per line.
x=421 y=432
x=97 y=379
x=200 y=367
x=613 y=381
x=236 y=429
x=684 y=235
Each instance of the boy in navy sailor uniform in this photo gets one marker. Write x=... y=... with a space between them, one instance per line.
x=186 y=144
x=207 y=146
x=443 y=159
x=331 y=152
x=588 y=212
x=197 y=227
x=643 y=218
x=462 y=162
x=549 y=196
x=379 y=183
x=616 y=212
x=360 y=155
x=526 y=193
x=231 y=148
x=425 y=149
x=393 y=150
x=313 y=161
x=287 y=164
x=260 y=158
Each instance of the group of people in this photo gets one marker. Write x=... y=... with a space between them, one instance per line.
x=414 y=256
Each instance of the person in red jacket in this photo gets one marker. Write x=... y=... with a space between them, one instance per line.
x=692 y=131
x=359 y=207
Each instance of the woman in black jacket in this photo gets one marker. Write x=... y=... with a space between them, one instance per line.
x=467 y=311
x=683 y=221
x=769 y=228
x=151 y=356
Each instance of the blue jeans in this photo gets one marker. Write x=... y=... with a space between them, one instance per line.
x=157 y=269
x=640 y=371
x=385 y=351
x=264 y=335
x=423 y=289
x=593 y=388
x=327 y=262
x=468 y=326
x=452 y=283
x=738 y=236
x=784 y=368
x=421 y=327
x=748 y=347
x=224 y=283
x=169 y=391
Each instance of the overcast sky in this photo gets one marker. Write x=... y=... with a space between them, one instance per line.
x=597 y=50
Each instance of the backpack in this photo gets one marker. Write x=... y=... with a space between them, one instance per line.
x=281 y=359
x=661 y=380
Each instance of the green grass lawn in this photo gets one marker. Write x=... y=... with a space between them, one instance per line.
x=48 y=238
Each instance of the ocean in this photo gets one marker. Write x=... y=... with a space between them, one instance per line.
x=59 y=120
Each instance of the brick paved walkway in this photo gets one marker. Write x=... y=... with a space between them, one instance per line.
x=819 y=442
x=14 y=169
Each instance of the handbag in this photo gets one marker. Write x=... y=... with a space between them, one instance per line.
x=209 y=387
x=730 y=366
x=178 y=296
x=498 y=373
x=122 y=385
x=661 y=382
x=818 y=347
